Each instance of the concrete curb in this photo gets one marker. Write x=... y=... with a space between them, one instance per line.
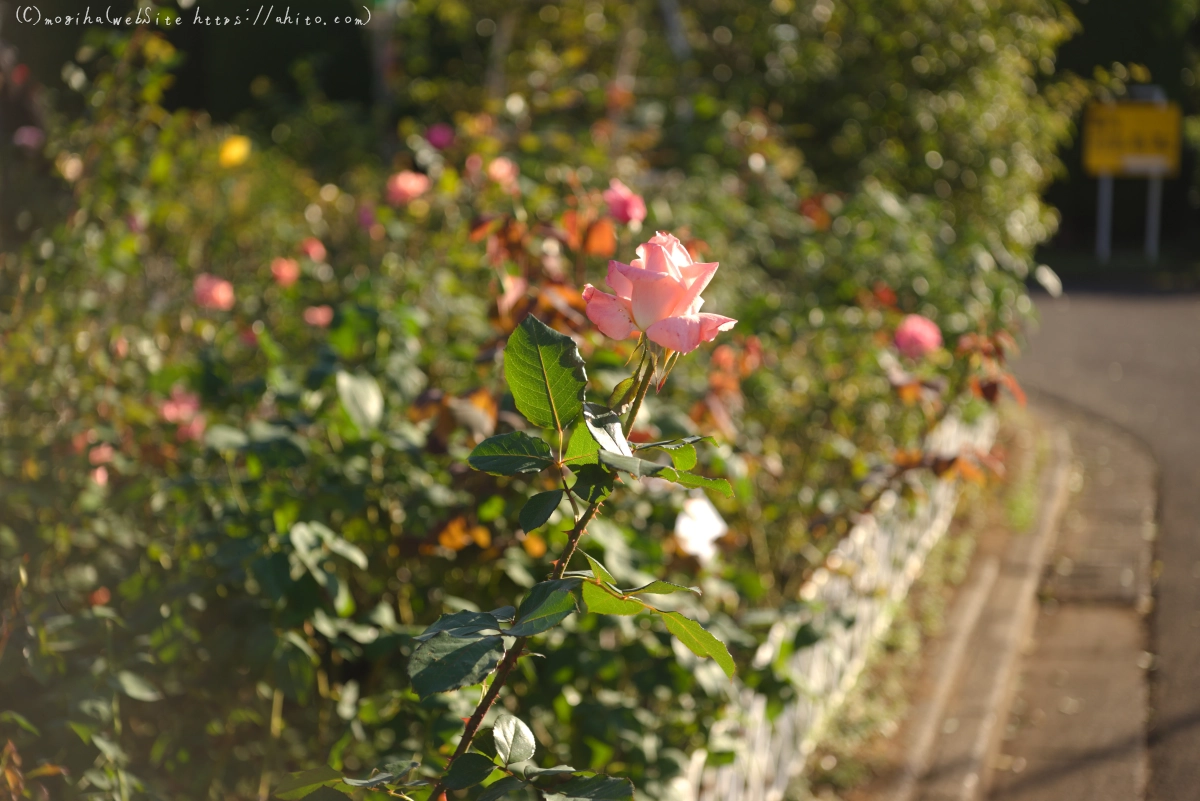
x=978 y=670
x=928 y=716
x=1028 y=559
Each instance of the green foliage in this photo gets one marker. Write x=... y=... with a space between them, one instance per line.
x=545 y=375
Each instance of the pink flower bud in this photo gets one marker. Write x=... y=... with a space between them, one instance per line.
x=285 y=271
x=100 y=476
x=319 y=316
x=406 y=186
x=623 y=204
x=504 y=172
x=917 y=336
x=101 y=454
x=313 y=249
x=212 y=292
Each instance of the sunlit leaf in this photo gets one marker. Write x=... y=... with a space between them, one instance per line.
x=699 y=641
x=510 y=454
x=137 y=687
x=362 y=399
x=661 y=588
x=545 y=374
x=537 y=510
x=599 y=570
x=605 y=426
x=445 y=662
x=546 y=605
x=582 y=447
x=514 y=740
x=600 y=601
x=299 y=785
x=461 y=624
x=592 y=484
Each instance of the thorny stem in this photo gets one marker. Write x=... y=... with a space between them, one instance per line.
x=514 y=653
x=643 y=386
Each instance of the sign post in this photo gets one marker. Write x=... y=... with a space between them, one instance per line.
x=1137 y=138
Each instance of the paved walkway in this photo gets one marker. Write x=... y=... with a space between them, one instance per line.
x=1136 y=361
x=1077 y=727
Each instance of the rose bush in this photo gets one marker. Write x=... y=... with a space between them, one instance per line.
x=287 y=503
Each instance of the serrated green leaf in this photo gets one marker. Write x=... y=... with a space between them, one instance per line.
x=510 y=454
x=592 y=484
x=661 y=588
x=502 y=788
x=600 y=601
x=137 y=688
x=699 y=641
x=533 y=772
x=631 y=464
x=537 y=510
x=582 y=447
x=599 y=570
x=505 y=614
x=546 y=605
x=684 y=457
x=623 y=394
x=362 y=399
x=692 y=480
x=668 y=444
x=514 y=741
x=445 y=662
x=298 y=785
x=605 y=426
x=467 y=771
x=593 y=788
x=462 y=624
x=545 y=374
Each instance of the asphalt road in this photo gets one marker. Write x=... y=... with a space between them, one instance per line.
x=1135 y=360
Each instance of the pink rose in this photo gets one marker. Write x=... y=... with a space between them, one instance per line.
x=440 y=135
x=101 y=454
x=658 y=294
x=313 y=249
x=212 y=292
x=504 y=172
x=285 y=271
x=100 y=476
x=181 y=408
x=319 y=316
x=405 y=186
x=917 y=336
x=623 y=203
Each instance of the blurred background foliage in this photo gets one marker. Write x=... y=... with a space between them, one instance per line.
x=216 y=545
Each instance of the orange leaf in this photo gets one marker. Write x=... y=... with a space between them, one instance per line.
x=601 y=238
x=454 y=536
x=534 y=545
x=481 y=536
x=570 y=224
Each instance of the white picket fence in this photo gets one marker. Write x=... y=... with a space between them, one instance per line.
x=882 y=557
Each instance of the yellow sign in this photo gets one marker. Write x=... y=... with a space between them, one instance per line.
x=1131 y=138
